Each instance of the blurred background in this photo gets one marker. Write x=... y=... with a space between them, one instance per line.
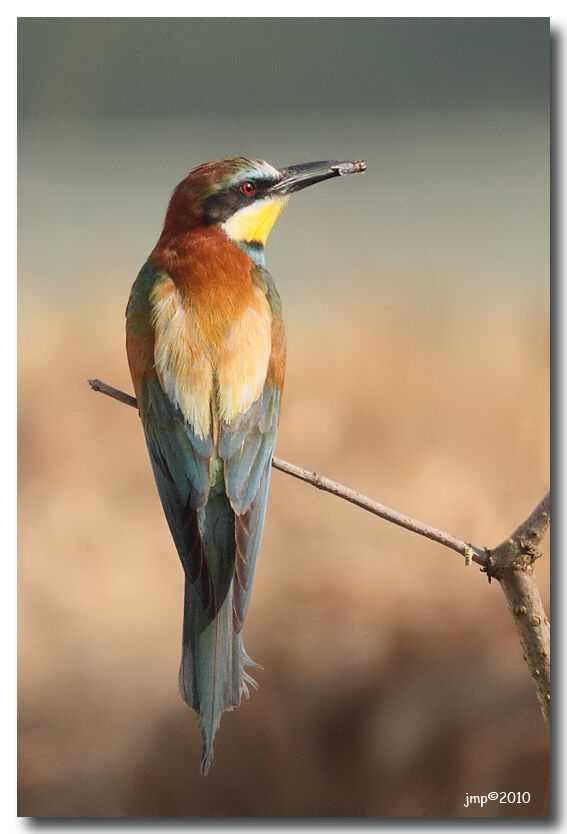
x=416 y=300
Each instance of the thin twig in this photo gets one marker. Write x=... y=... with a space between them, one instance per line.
x=122 y=397
x=470 y=552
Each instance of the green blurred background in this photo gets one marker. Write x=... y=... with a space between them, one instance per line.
x=416 y=303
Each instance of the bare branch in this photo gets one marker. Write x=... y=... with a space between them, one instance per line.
x=511 y=563
x=532 y=625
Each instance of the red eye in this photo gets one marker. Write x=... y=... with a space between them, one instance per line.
x=248 y=188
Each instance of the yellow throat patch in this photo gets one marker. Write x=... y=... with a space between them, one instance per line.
x=254 y=222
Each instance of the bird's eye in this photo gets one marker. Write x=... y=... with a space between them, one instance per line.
x=248 y=188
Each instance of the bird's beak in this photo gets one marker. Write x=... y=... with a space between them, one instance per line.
x=296 y=177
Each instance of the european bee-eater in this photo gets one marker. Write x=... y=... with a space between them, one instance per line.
x=206 y=349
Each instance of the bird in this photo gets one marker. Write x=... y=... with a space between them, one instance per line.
x=206 y=350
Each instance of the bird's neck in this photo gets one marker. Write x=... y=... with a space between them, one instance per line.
x=254 y=250
x=175 y=251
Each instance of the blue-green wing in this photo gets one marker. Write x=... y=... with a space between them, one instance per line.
x=180 y=463
x=247 y=449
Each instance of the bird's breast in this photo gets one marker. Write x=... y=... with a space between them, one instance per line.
x=212 y=341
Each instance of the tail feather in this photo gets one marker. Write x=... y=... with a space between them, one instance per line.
x=212 y=677
x=205 y=675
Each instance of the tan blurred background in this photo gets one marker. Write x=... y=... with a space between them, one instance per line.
x=416 y=302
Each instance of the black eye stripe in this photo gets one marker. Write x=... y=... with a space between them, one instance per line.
x=217 y=208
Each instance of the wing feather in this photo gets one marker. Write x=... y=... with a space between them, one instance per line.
x=247 y=451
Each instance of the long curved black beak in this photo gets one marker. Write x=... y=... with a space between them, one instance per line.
x=296 y=177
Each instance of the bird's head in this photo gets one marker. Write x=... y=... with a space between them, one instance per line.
x=243 y=197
